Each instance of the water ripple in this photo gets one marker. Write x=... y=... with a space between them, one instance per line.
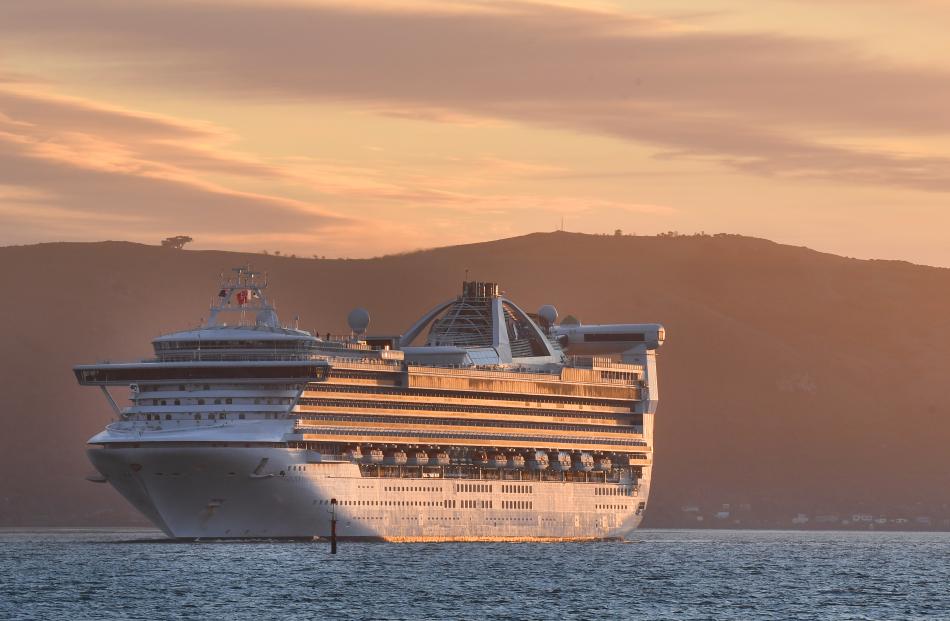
x=682 y=575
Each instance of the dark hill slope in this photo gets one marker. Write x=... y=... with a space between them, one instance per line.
x=791 y=380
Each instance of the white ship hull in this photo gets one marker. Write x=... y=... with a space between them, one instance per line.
x=495 y=429
x=204 y=492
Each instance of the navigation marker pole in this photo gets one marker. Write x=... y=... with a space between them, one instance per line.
x=333 y=526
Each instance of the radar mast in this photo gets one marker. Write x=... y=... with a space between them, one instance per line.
x=243 y=292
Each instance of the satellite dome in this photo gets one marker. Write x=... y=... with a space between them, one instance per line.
x=548 y=314
x=358 y=320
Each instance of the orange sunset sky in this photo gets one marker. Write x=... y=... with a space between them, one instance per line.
x=358 y=129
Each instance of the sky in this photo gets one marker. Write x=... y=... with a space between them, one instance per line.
x=357 y=129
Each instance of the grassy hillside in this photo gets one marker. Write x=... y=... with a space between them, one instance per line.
x=791 y=380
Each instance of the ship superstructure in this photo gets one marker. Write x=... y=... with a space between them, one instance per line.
x=480 y=422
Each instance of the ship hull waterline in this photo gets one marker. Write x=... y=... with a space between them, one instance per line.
x=274 y=493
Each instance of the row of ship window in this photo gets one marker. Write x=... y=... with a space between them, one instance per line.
x=226 y=401
x=611 y=507
x=209 y=416
x=470 y=422
x=469 y=396
x=485 y=488
x=613 y=491
x=445 y=504
x=412 y=489
x=517 y=504
x=517 y=489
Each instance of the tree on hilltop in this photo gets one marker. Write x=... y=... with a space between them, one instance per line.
x=178 y=242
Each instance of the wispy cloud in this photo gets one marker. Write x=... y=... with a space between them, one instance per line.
x=73 y=165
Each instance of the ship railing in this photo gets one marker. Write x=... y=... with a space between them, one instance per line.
x=345 y=341
x=257 y=356
x=484 y=371
x=264 y=356
x=370 y=364
x=519 y=373
x=602 y=362
x=167 y=426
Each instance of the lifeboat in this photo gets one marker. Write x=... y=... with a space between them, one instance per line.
x=397 y=458
x=374 y=456
x=418 y=458
x=538 y=461
x=603 y=463
x=583 y=462
x=498 y=460
x=480 y=458
x=353 y=454
x=517 y=461
x=563 y=462
x=441 y=459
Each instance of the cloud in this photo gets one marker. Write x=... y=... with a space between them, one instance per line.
x=73 y=167
x=761 y=103
x=157 y=203
x=84 y=130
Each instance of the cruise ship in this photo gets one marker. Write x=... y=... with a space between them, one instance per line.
x=482 y=422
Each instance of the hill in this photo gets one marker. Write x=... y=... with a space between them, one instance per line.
x=791 y=380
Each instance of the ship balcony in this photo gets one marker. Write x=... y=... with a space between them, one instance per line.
x=443 y=399
x=344 y=407
x=331 y=433
x=513 y=428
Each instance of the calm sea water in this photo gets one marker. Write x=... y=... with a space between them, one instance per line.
x=125 y=574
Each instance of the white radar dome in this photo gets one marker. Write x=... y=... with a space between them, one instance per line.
x=358 y=320
x=548 y=314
